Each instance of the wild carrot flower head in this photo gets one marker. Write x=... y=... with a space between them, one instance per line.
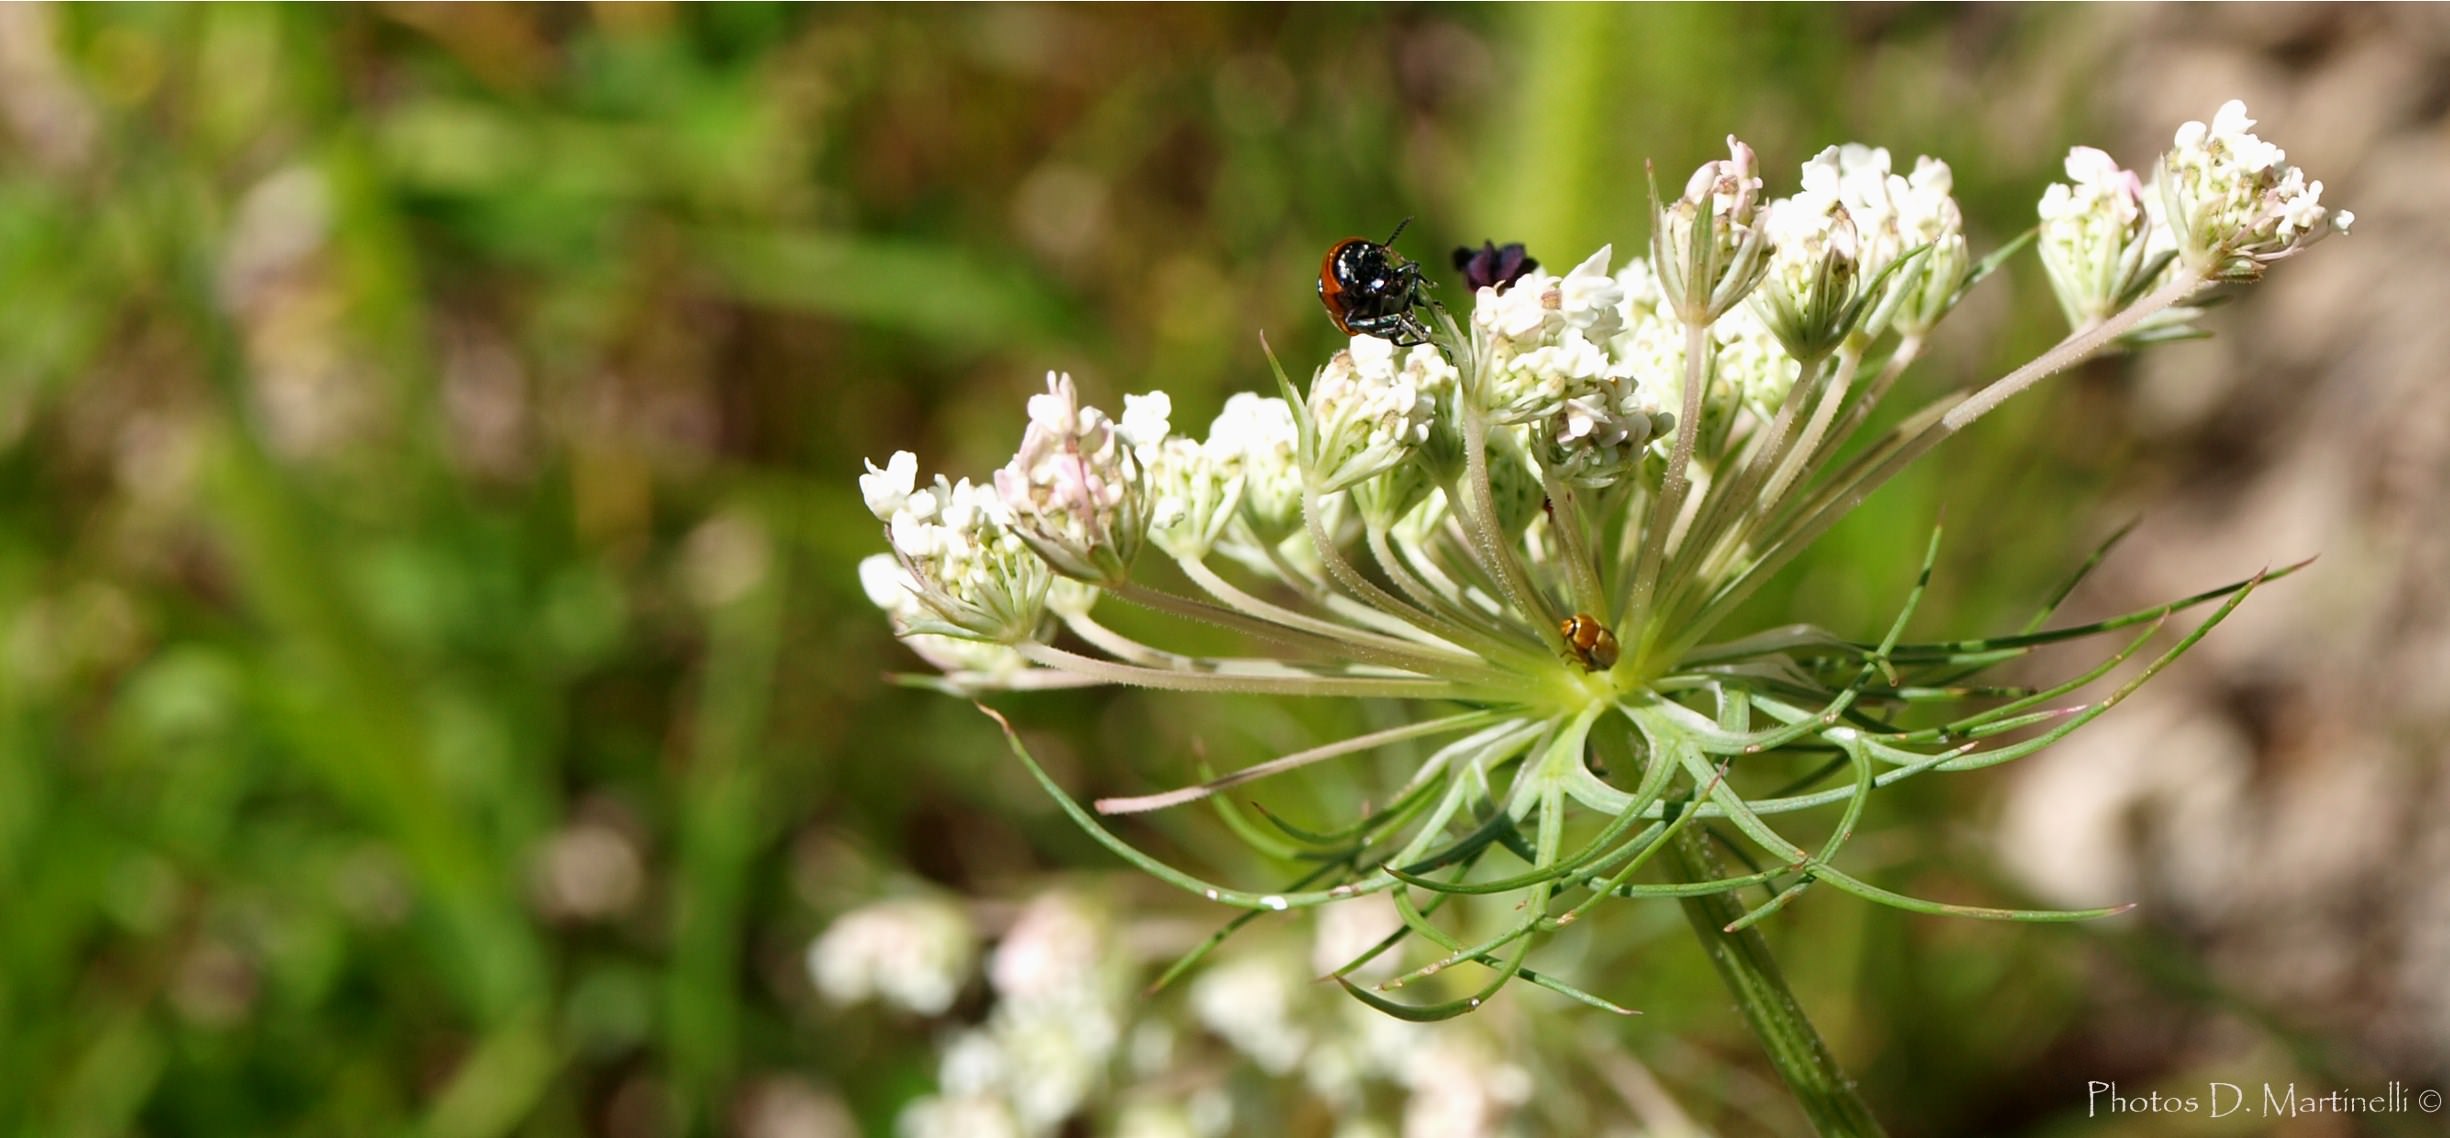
x=2095 y=239
x=1372 y=410
x=965 y=571
x=1907 y=224
x=2234 y=202
x=1530 y=531
x=1074 y=490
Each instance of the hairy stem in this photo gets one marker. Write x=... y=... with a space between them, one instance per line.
x=1639 y=614
x=1496 y=547
x=2071 y=350
x=1913 y=439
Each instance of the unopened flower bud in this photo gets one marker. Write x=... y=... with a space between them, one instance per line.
x=1707 y=245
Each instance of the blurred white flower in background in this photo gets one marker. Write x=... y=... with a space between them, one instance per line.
x=914 y=953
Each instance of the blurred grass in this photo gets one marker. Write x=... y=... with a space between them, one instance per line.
x=428 y=430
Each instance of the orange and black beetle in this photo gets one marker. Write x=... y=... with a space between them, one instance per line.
x=1369 y=290
x=1590 y=641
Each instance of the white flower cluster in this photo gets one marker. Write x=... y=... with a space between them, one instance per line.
x=1811 y=234
x=1060 y=1037
x=891 y=588
x=1254 y=439
x=1456 y=1079
x=1721 y=400
x=1547 y=338
x=1061 y=1000
x=939 y=1117
x=1254 y=1001
x=1074 y=487
x=1596 y=408
x=914 y=953
x=1896 y=216
x=1191 y=497
x=964 y=572
x=1600 y=428
x=2095 y=238
x=1371 y=409
x=1193 y=488
x=1575 y=379
x=1860 y=247
x=2222 y=204
x=1589 y=364
x=1590 y=361
x=2233 y=201
x=1462 y=1086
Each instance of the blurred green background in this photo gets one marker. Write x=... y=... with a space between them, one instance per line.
x=435 y=693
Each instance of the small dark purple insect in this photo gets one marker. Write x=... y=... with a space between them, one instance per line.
x=1493 y=265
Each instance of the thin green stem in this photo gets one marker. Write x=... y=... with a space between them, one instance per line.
x=1496 y=547
x=1793 y=462
x=1751 y=974
x=1914 y=439
x=1900 y=358
x=1302 y=685
x=1639 y=613
x=1359 y=586
x=1763 y=452
x=1328 y=639
x=1225 y=591
x=1485 y=636
x=1375 y=739
x=1570 y=526
x=2073 y=349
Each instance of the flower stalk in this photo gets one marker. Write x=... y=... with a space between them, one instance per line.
x=1742 y=958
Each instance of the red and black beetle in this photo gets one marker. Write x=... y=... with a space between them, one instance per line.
x=1369 y=290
